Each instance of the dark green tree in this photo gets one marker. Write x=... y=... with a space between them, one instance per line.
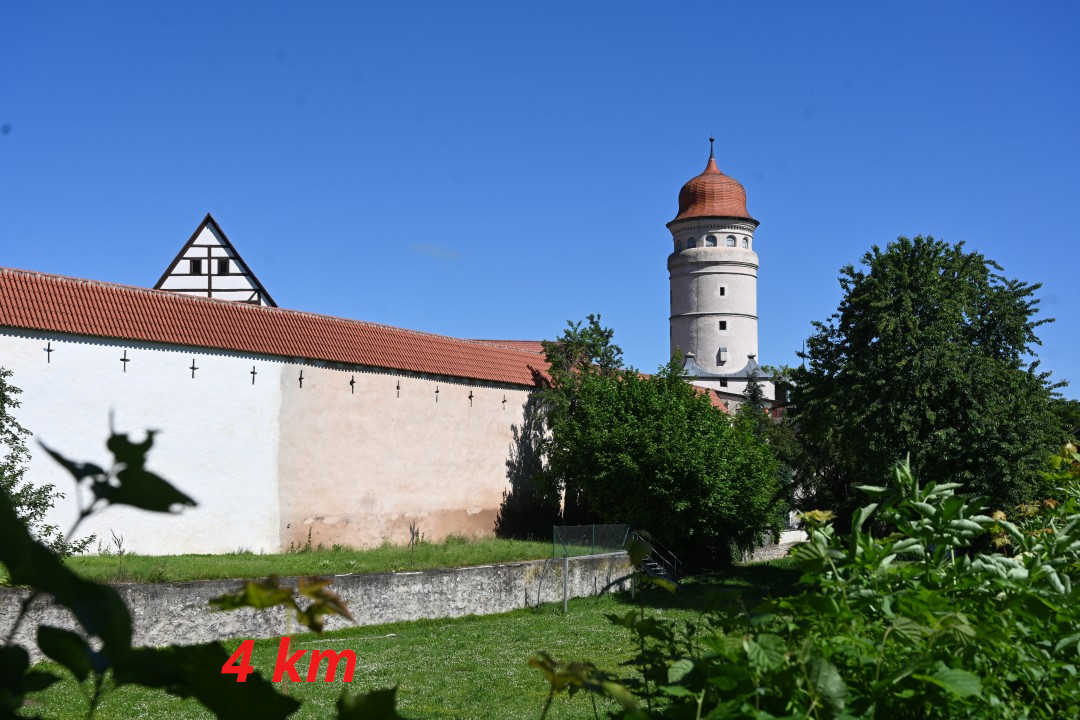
x=583 y=351
x=652 y=451
x=930 y=353
x=1068 y=414
x=532 y=505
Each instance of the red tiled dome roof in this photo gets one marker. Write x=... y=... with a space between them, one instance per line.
x=712 y=194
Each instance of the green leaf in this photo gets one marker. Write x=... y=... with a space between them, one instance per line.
x=679 y=669
x=98 y=608
x=14 y=661
x=67 y=649
x=765 y=652
x=374 y=705
x=873 y=489
x=861 y=515
x=1066 y=641
x=195 y=671
x=325 y=602
x=259 y=594
x=911 y=545
x=960 y=683
x=619 y=694
x=827 y=681
x=638 y=551
x=38 y=680
x=662 y=583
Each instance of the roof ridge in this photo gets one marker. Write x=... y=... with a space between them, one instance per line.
x=244 y=307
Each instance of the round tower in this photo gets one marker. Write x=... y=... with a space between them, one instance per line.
x=713 y=268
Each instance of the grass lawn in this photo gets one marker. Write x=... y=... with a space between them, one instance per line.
x=454 y=552
x=473 y=667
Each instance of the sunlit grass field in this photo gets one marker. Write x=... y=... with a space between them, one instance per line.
x=454 y=552
x=472 y=667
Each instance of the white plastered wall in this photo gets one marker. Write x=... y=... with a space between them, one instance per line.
x=217 y=442
x=270 y=461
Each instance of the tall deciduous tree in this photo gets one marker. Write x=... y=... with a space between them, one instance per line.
x=929 y=353
x=652 y=451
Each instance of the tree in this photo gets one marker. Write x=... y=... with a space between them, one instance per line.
x=31 y=502
x=778 y=433
x=532 y=505
x=928 y=354
x=652 y=451
x=1068 y=414
x=582 y=352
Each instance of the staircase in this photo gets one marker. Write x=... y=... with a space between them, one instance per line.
x=660 y=562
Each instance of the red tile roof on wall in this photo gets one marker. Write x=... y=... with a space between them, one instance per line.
x=530 y=346
x=39 y=301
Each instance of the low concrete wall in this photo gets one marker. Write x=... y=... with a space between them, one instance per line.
x=178 y=613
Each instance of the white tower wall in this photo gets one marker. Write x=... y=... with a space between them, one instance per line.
x=714 y=297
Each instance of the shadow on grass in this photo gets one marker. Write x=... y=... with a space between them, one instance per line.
x=712 y=590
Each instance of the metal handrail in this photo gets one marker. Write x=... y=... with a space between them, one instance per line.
x=659 y=553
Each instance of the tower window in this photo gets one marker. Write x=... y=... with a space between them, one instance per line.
x=731 y=241
x=723 y=383
x=723 y=324
x=223 y=266
x=691 y=243
x=721 y=356
x=195 y=267
x=746 y=242
x=723 y=291
x=710 y=241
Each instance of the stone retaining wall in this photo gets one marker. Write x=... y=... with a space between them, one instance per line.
x=178 y=613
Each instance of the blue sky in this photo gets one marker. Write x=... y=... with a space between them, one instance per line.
x=493 y=170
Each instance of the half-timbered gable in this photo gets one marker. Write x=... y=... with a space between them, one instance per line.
x=209 y=266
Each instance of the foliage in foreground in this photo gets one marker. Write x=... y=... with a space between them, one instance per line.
x=929 y=354
x=653 y=452
x=906 y=616
x=103 y=649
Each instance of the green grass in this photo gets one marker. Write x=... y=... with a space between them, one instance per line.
x=473 y=667
x=454 y=552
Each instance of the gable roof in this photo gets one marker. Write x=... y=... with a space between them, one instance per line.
x=210 y=222
x=39 y=301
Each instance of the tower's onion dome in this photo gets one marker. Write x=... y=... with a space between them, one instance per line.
x=712 y=194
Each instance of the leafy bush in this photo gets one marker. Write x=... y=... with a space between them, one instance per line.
x=653 y=452
x=906 y=616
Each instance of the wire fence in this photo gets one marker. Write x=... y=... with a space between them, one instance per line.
x=576 y=540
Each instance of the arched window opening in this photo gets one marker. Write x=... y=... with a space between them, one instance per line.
x=746 y=242
x=710 y=241
x=691 y=243
x=731 y=241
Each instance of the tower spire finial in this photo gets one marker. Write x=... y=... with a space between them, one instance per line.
x=711 y=141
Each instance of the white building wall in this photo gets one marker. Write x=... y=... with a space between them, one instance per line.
x=268 y=463
x=218 y=439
